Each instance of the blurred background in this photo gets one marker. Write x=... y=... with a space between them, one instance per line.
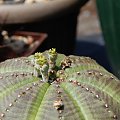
x=98 y=33
x=90 y=41
x=79 y=27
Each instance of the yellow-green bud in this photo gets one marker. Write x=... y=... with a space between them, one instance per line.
x=38 y=55
x=52 y=52
x=41 y=61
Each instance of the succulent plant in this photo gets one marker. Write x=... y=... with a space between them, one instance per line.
x=52 y=86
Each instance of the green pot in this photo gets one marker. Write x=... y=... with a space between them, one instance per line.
x=108 y=11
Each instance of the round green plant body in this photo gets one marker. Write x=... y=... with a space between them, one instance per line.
x=73 y=88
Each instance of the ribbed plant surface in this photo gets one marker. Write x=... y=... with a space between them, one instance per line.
x=78 y=89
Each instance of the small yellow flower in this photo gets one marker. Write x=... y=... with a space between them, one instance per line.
x=41 y=61
x=38 y=55
x=52 y=52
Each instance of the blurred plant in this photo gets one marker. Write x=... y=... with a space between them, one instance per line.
x=110 y=22
x=19 y=44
